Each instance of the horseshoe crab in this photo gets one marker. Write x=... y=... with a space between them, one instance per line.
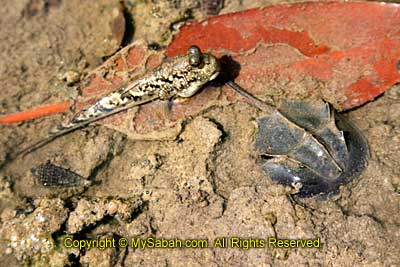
x=308 y=145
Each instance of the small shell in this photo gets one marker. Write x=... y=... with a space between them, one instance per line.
x=51 y=175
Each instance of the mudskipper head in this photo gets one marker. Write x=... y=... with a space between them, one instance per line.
x=202 y=68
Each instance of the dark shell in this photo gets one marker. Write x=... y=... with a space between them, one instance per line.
x=309 y=145
x=52 y=175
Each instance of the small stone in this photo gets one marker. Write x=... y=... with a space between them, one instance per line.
x=71 y=77
x=146 y=195
x=8 y=251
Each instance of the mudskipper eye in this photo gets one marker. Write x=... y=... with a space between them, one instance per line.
x=194 y=54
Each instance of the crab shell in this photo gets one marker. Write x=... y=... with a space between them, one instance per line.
x=306 y=146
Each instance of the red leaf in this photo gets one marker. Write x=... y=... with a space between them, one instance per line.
x=348 y=53
x=345 y=52
x=344 y=45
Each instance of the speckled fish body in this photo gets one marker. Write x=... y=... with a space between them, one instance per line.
x=180 y=76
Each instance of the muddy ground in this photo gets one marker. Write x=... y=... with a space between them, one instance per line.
x=204 y=184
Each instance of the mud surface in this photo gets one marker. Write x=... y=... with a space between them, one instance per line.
x=203 y=184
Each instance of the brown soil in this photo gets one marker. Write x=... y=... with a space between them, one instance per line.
x=205 y=184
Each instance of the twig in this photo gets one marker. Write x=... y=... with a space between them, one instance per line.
x=35 y=113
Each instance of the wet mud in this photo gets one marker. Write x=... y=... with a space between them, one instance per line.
x=203 y=182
